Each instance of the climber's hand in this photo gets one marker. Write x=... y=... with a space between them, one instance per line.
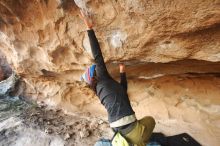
x=122 y=68
x=87 y=20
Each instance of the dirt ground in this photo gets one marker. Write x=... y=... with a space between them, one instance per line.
x=75 y=130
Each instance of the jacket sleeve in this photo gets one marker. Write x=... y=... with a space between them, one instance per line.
x=101 y=70
x=123 y=81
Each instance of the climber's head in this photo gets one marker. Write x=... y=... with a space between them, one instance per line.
x=89 y=76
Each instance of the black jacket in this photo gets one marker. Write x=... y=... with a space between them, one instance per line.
x=113 y=95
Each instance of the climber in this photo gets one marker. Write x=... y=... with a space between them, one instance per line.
x=113 y=96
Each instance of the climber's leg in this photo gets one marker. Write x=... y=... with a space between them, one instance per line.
x=142 y=131
x=149 y=124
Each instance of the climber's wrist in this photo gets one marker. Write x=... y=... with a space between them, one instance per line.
x=121 y=68
x=87 y=20
x=89 y=27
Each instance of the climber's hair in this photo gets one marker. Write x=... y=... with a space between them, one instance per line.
x=94 y=82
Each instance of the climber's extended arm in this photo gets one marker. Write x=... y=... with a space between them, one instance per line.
x=101 y=70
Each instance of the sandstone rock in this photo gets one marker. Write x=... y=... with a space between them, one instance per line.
x=46 y=44
x=5 y=69
x=84 y=133
x=1 y=74
x=48 y=123
x=93 y=125
x=67 y=136
x=48 y=131
x=45 y=37
x=100 y=122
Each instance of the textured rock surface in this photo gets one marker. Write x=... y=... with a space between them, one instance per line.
x=46 y=44
x=1 y=74
x=47 y=37
x=5 y=69
x=48 y=34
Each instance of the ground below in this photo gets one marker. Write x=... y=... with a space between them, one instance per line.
x=43 y=126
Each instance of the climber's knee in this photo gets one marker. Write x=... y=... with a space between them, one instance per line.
x=148 y=121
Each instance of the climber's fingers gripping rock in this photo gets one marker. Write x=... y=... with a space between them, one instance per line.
x=87 y=20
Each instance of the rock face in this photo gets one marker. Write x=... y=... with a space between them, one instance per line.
x=46 y=43
x=1 y=74
x=48 y=34
x=5 y=69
